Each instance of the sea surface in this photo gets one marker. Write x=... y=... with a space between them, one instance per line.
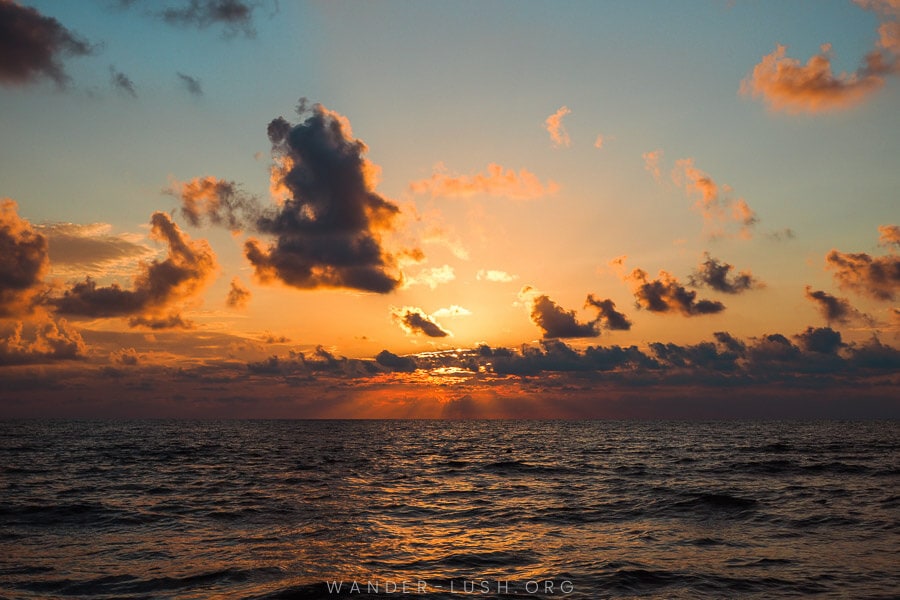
x=449 y=509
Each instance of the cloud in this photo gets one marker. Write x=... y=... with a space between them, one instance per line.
x=403 y=364
x=453 y=310
x=786 y=85
x=823 y=340
x=497 y=181
x=238 y=295
x=158 y=287
x=782 y=235
x=554 y=126
x=23 y=262
x=217 y=202
x=495 y=276
x=191 y=84
x=125 y=356
x=32 y=46
x=431 y=277
x=557 y=322
x=234 y=15
x=714 y=204
x=607 y=315
x=665 y=294
x=833 y=309
x=329 y=225
x=46 y=340
x=121 y=82
x=877 y=277
x=91 y=249
x=651 y=163
x=889 y=235
x=414 y=321
x=714 y=274
x=598 y=143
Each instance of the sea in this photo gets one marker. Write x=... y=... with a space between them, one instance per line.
x=449 y=509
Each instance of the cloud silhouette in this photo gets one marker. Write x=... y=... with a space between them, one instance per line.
x=32 y=46
x=217 y=202
x=497 y=181
x=665 y=294
x=823 y=340
x=833 y=309
x=236 y=16
x=607 y=315
x=557 y=322
x=158 y=287
x=414 y=321
x=23 y=262
x=328 y=227
x=714 y=274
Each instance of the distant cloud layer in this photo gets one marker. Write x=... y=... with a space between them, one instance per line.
x=32 y=46
x=158 y=287
x=496 y=181
x=92 y=249
x=786 y=84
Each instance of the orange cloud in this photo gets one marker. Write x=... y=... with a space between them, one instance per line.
x=714 y=201
x=159 y=287
x=889 y=235
x=651 y=163
x=238 y=295
x=23 y=262
x=554 y=126
x=497 y=181
x=43 y=341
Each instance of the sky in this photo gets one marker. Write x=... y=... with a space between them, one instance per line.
x=261 y=209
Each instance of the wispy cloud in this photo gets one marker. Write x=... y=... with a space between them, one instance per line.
x=432 y=277
x=92 y=249
x=875 y=276
x=238 y=295
x=495 y=275
x=121 y=82
x=716 y=205
x=554 y=126
x=191 y=84
x=496 y=181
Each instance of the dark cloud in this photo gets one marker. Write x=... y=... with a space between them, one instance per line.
x=715 y=274
x=191 y=84
x=557 y=322
x=833 y=309
x=238 y=295
x=414 y=321
x=121 y=82
x=158 y=287
x=43 y=341
x=782 y=235
x=23 y=262
x=666 y=294
x=607 y=315
x=823 y=340
x=328 y=227
x=32 y=45
x=730 y=342
x=404 y=364
x=234 y=15
x=874 y=276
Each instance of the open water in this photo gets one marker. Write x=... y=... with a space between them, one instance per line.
x=449 y=509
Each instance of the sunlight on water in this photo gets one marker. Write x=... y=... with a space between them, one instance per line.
x=277 y=509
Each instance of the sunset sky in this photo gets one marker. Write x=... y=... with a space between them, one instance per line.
x=236 y=208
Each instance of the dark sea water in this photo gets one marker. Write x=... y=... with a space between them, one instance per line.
x=495 y=509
